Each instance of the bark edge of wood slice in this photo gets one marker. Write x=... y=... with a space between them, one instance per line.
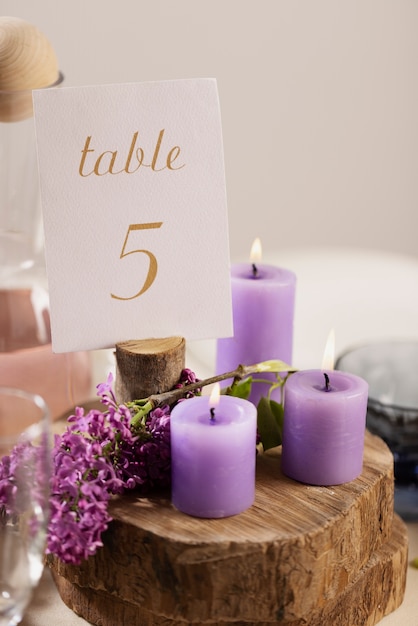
x=298 y=550
x=377 y=591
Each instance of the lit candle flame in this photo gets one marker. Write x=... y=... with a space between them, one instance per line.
x=214 y=401
x=215 y=396
x=329 y=352
x=255 y=254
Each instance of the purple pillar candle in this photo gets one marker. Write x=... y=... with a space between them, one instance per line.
x=213 y=456
x=324 y=426
x=263 y=309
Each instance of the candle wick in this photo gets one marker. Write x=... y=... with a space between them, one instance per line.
x=255 y=270
x=327 y=387
x=212 y=414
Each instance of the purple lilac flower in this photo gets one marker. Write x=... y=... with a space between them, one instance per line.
x=7 y=487
x=187 y=377
x=97 y=456
x=149 y=465
x=80 y=492
x=21 y=468
x=23 y=477
x=88 y=468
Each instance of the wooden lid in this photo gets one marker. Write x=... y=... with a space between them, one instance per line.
x=27 y=61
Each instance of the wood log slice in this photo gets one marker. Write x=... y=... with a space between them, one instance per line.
x=296 y=553
x=377 y=590
x=148 y=366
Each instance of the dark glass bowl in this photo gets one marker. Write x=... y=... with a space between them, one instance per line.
x=391 y=370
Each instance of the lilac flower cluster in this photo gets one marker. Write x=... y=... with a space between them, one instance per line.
x=147 y=464
x=187 y=378
x=20 y=465
x=100 y=454
x=83 y=479
x=24 y=476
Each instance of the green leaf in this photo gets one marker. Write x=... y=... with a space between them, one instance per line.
x=242 y=389
x=278 y=413
x=273 y=366
x=269 y=422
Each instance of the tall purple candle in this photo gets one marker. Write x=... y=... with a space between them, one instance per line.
x=213 y=456
x=324 y=426
x=263 y=308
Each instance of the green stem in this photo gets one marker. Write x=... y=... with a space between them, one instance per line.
x=142 y=408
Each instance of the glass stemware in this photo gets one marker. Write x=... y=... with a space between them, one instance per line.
x=392 y=412
x=25 y=469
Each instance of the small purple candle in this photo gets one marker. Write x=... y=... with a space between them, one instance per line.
x=213 y=452
x=263 y=299
x=324 y=426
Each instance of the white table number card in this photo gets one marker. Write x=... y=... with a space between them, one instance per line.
x=135 y=216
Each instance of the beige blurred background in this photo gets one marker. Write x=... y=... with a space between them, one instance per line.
x=319 y=103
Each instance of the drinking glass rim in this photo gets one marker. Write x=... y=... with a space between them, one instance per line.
x=399 y=411
x=35 y=428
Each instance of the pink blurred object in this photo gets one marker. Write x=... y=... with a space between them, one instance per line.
x=26 y=357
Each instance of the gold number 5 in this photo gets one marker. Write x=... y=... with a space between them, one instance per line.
x=152 y=270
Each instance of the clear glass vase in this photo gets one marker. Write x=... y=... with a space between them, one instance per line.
x=26 y=358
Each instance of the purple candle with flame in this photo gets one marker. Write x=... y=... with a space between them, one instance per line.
x=263 y=299
x=324 y=426
x=213 y=452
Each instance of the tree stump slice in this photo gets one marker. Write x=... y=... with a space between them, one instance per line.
x=300 y=555
x=148 y=366
x=377 y=591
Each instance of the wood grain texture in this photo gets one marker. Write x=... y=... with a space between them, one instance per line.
x=377 y=590
x=296 y=553
x=148 y=366
x=27 y=61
